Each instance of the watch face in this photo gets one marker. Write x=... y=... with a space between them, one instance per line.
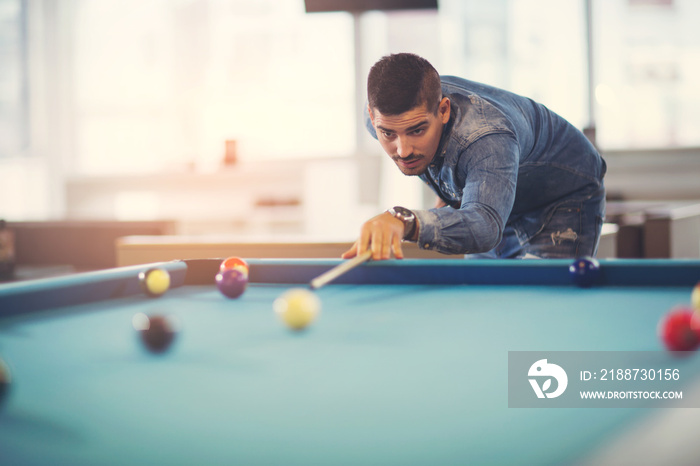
x=403 y=213
x=407 y=217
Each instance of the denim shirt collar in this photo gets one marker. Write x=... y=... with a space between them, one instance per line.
x=445 y=136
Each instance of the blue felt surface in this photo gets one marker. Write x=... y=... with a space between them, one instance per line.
x=389 y=374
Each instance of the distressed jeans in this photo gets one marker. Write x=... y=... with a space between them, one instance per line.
x=572 y=230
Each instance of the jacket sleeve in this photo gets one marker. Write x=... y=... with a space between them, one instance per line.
x=489 y=168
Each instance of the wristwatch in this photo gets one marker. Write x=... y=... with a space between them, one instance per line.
x=407 y=217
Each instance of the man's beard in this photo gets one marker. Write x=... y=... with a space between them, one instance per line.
x=411 y=165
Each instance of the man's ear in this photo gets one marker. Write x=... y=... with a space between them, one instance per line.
x=444 y=110
x=371 y=114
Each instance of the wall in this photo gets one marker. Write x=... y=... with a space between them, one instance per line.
x=662 y=174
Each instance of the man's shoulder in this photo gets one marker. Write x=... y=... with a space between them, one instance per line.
x=475 y=116
x=457 y=85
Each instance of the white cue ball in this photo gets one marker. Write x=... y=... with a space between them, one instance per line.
x=297 y=308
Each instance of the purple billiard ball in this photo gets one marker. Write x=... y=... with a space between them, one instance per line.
x=584 y=271
x=231 y=282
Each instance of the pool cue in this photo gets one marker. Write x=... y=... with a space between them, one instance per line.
x=339 y=270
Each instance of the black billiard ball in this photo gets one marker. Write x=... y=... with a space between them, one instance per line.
x=4 y=382
x=157 y=332
x=584 y=271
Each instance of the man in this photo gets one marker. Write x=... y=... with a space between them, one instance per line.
x=514 y=180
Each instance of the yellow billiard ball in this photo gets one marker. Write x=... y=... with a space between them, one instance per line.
x=695 y=297
x=297 y=308
x=154 y=282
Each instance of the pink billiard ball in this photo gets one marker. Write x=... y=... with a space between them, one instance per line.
x=231 y=282
x=679 y=330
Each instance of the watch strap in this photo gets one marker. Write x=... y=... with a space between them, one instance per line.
x=407 y=217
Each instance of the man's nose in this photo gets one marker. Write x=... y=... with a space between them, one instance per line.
x=403 y=147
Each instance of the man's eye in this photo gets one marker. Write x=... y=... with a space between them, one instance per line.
x=419 y=131
x=387 y=135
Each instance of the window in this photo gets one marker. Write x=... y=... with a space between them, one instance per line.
x=646 y=62
x=647 y=73
x=160 y=84
x=164 y=84
x=535 y=48
x=13 y=78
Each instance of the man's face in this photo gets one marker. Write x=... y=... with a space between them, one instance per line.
x=411 y=138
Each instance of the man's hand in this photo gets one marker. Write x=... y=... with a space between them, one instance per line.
x=382 y=234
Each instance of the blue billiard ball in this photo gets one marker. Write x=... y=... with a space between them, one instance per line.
x=231 y=282
x=584 y=271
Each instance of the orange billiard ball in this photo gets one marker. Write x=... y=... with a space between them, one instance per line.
x=234 y=262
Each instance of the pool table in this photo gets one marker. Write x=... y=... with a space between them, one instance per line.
x=406 y=364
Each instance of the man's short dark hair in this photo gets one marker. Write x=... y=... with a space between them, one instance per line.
x=400 y=82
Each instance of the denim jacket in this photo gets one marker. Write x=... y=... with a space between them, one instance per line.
x=502 y=159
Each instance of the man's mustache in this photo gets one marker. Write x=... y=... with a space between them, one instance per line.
x=408 y=159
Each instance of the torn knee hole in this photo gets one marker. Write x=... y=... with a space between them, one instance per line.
x=568 y=235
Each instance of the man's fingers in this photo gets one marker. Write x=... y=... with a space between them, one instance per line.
x=396 y=247
x=376 y=245
x=381 y=235
x=364 y=242
x=387 y=245
x=350 y=253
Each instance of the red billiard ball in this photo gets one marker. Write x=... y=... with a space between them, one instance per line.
x=679 y=330
x=157 y=332
x=234 y=263
x=5 y=380
x=231 y=282
x=584 y=271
